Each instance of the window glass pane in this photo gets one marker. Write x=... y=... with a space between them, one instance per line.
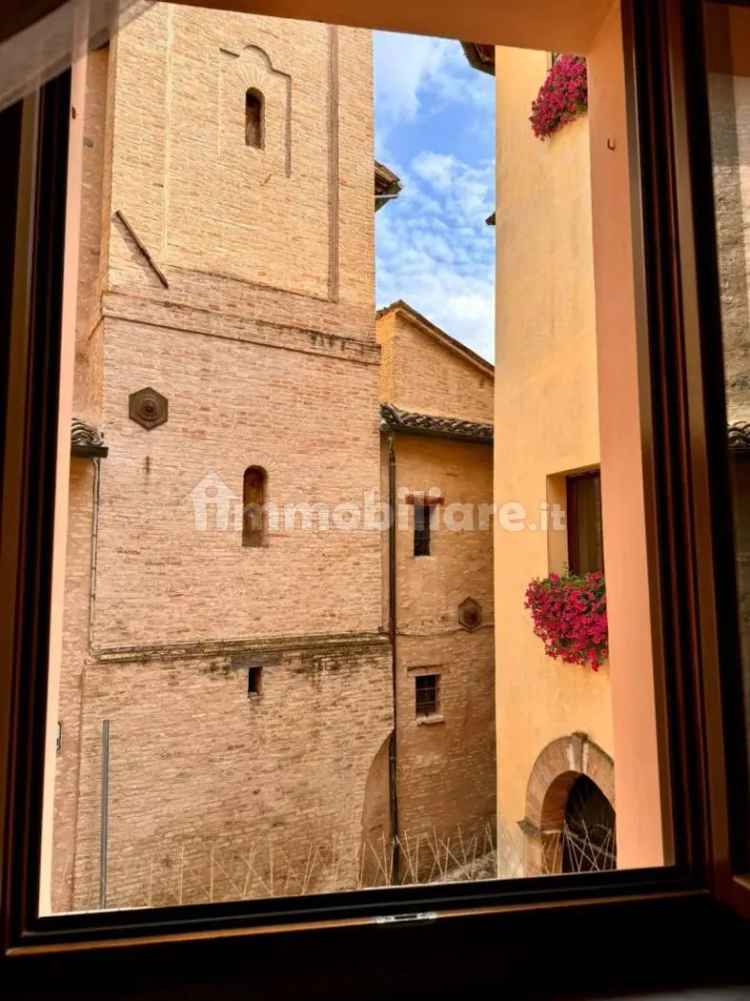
x=324 y=626
x=728 y=56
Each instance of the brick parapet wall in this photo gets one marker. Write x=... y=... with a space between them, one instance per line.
x=201 y=774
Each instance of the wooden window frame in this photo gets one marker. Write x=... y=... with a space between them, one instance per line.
x=342 y=941
x=419 y=712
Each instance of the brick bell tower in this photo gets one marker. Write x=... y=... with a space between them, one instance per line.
x=225 y=690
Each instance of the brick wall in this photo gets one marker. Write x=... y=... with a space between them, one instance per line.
x=730 y=138
x=169 y=569
x=200 y=770
x=283 y=234
x=263 y=343
x=446 y=767
x=420 y=373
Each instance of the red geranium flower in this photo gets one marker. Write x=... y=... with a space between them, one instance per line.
x=570 y=616
x=561 y=98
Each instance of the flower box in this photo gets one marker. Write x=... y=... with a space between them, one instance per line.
x=570 y=616
x=562 y=97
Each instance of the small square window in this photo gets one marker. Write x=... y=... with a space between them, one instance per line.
x=426 y=688
x=254 y=681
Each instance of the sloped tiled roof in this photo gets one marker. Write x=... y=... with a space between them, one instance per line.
x=86 y=441
x=387 y=185
x=739 y=436
x=391 y=418
x=480 y=56
x=401 y=306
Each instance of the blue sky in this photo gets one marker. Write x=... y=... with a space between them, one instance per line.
x=434 y=126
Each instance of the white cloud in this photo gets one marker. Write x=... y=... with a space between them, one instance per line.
x=410 y=68
x=435 y=250
x=433 y=247
x=403 y=66
x=437 y=168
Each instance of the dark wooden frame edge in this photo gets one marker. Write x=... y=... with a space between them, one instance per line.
x=685 y=386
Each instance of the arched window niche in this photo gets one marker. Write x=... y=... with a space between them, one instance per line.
x=254 y=521
x=255 y=111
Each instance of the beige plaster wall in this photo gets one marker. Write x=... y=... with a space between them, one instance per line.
x=545 y=23
x=546 y=405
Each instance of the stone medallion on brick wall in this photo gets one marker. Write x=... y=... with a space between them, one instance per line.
x=554 y=773
x=148 y=408
x=470 y=614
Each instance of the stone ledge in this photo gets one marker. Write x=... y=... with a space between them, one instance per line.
x=240 y=649
x=429 y=720
x=189 y=320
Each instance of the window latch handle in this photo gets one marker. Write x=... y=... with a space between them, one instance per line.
x=417 y=916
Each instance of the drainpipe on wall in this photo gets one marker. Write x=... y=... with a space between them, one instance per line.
x=96 y=500
x=104 y=817
x=392 y=749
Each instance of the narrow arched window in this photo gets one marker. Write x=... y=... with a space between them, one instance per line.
x=254 y=118
x=253 y=506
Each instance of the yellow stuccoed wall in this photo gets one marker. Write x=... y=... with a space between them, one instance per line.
x=546 y=423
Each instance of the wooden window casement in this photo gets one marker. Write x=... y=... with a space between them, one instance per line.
x=493 y=928
x=584 y=523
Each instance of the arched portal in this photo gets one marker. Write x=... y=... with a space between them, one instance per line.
x=588 y=833
x=570 y=809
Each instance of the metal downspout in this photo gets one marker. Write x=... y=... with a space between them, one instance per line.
x=392 y=625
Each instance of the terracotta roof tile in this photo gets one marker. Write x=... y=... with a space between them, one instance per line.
x=86 y=441
x=427 y=424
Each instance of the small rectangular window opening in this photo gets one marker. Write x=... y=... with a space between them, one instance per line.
x=422 y=529
x=254 y=681
x=426 y=689
x=253 y=501
x=254 y=125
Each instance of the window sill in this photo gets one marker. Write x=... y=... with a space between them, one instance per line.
x=433 y=718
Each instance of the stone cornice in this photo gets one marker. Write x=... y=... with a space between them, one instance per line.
x=238 y=651
x=189 y=320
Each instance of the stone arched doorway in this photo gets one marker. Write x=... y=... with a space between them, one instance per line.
x=570 y=808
